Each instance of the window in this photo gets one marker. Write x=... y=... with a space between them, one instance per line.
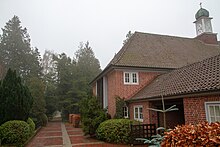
x=125 y=112
x=130 y=78
x=212 y=111
x=138 y=113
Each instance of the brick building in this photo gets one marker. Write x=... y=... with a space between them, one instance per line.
x=149 y=66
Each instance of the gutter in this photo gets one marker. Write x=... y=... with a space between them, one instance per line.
x=155 y=98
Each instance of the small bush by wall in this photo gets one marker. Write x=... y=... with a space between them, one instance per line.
x=115 y=130
x=203 y=134
x=43 y=119
x=31 y=125
x=14 y=132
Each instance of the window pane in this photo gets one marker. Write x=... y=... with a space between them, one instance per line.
x=212 y=119
x=218 y=119
x=140 y=113
x=211 y=108
x=126 y=77
x=141 y=116
x=136 y=112
x=125 y=111
x=140 y=109
x=217 y=110
x=134 y=76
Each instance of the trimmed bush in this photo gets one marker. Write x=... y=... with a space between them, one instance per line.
x=14 y=132
x=31 y=125
x=43 y=119
x=203 y=134
x=115 y=131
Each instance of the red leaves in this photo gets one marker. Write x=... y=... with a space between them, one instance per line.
x=203 y=134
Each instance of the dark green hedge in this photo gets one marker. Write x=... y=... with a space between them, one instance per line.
x=115 y=131
x=14 y=132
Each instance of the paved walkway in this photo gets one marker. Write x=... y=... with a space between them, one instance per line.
x=58 y=134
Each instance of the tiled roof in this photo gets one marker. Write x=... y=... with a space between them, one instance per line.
x=161 y=51
x=199 y=77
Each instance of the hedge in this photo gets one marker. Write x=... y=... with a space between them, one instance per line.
x=115 y=131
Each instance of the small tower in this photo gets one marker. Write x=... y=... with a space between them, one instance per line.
x=204 y=27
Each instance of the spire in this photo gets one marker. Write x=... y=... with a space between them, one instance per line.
x=200 y=5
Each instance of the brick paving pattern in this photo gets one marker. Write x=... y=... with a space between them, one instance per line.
x=53 y=135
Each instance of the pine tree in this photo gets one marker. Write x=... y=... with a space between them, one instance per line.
x=15 y=48
x=16 y=100
x=128 y=36
x=88 y=67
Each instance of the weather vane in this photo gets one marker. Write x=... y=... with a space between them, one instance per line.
x=200 y=4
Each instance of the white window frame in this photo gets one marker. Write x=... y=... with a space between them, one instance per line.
x=139 y=114
x=125 y=112
x=130 y=78
x=207 y=110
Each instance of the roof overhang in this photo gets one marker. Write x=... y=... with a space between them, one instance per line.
x=187 y=95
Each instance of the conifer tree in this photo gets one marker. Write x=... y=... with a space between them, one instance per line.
x=15 y=99
x=15 y=49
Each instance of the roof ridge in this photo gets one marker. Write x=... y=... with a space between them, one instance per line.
x=164 y=35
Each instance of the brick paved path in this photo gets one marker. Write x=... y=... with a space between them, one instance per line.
x=58 y=134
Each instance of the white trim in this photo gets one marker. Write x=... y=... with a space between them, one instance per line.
x=207 y=111
x=138 y=107
x=131 y=78
x=105 y=92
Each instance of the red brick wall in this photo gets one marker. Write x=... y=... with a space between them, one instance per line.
x=116 y=87
x=153 y=114
x=208 y=38
x=194 y=108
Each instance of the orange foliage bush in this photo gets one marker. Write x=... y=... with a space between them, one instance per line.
x=203 y=134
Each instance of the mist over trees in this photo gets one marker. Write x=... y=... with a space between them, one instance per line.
x=56 y=81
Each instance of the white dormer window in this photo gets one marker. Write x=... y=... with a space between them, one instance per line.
x=130 y=78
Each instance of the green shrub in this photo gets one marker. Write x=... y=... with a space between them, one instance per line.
x=91 y=115
x=115 y=130
x=43 y=119
x=203 y=134
x=31 y=125
x=14 y=132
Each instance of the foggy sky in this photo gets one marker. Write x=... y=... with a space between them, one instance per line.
x=60 y=25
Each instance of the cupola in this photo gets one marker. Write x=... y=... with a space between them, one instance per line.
x=201 y=12
x=204 y=27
